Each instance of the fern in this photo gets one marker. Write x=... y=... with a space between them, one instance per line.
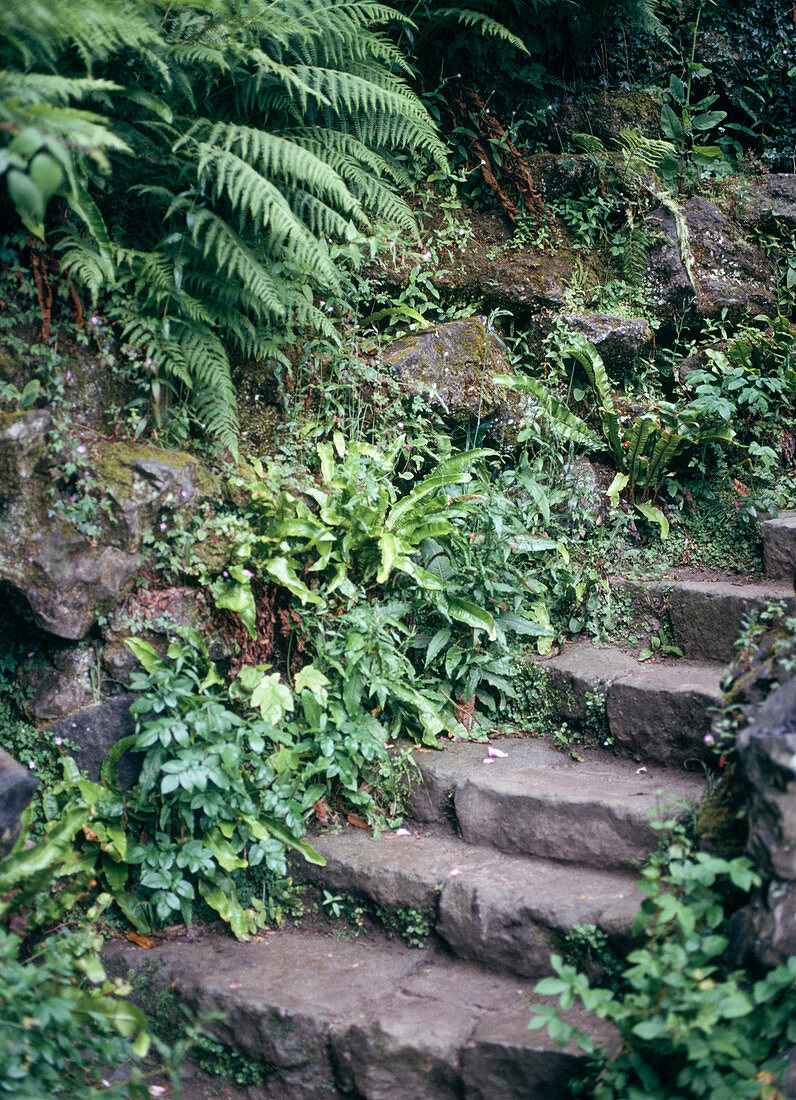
x=249 y=136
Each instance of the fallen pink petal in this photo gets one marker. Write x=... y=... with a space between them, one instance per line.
x=497 y=753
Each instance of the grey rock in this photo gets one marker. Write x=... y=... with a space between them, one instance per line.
x=525 y=281
x=504 y=1060
x=78 y=662
x=605 y=113
x=53 y=694
x=656 y=712
x=431 y=798
x=764 y=932
x=788 y=1086
x=767 y=751
x=662 y=712
x=587 y=483
x=501 y=910
x=345 y=1019
x=779 y=546
x=594 y=813
x=22 y=438
x=453 y=364
x=62 y=577
x=759 y=204
x=619 y=340
x=17 y=785
x=95 y=730
x=728 y=273
x=69 y=582
x=705 y=616
x=509 y=913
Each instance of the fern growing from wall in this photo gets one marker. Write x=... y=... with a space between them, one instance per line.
x=209 y=154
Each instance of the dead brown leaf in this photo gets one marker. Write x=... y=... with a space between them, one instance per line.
x=140 y=941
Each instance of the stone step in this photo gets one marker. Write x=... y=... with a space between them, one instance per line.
x=375 y=1021
x=779 y=547
x=704 y=617
x=506 y=912
x=657 y=711
x=535 y=801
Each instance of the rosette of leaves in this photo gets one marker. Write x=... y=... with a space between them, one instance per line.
x=642 y=451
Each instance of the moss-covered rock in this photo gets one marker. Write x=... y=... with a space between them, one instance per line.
x=605 y=113
x=62 y=572
x=454 y=366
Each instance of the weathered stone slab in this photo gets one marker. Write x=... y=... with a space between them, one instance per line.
x=501 y=910
x=380 y=1022
x=411 y=1044
x=706 y=616
x=17 y=785
x=439 y=773
x=779 y=547
x=278 y=998
x=661 y=713
x=510 y=913
x=592 y=813
x=504 y=1060
x=580 y=672
x=657 y=712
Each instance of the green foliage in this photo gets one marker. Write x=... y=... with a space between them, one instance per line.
x=642 y=451
x=62 y=1022
x=226 y=229
x=689 y=1027
x=218 y=1060
x=204 y=805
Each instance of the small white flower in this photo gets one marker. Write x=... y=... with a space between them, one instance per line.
x=31 y=765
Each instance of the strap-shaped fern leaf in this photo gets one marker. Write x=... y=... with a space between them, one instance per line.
x=667 y=445
x=567 y=424
x=589 y=358
x=636 y=441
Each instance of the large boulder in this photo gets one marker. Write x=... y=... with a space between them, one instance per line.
x=604 y=113
x=453 y=365
x=619 y=340
x=17 y=785
x=761 y=204
x=489 y=265
x=64 y=574
x=724 y=270
x=767 y=751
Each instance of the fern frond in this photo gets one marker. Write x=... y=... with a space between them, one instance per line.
x=481 y=22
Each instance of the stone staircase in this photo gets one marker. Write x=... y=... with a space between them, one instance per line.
x=503 y=854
